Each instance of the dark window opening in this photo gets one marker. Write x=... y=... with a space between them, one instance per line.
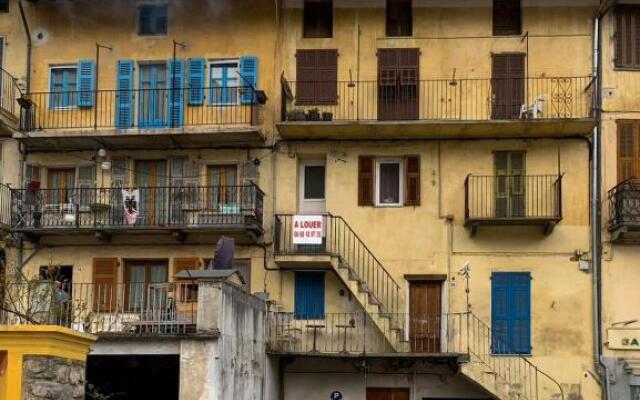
x=399 y=18
x=4 y=6
x=133 y=377
x=152 y=19
x=318 y=19
x=314 y=181
x=507 y=17
x=627 y=36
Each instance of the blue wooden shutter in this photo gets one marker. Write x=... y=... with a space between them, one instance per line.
x=249 y=81
x=309 y=295
x=86 y=82
x=124 y=95
x=511 y=312
x=176 y=93
x=196 y=81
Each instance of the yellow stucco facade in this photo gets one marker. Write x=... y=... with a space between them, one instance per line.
x=433 y=239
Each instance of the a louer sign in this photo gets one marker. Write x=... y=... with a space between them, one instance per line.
x=307 y=229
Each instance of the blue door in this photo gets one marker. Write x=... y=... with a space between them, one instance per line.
x=511 y=312
x=152 y=105
x=309 y=295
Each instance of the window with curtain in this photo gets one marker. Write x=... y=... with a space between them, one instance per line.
x=223 y=191
x=63 y=86
x=61 y=184
x=139 y=279
x=224 y=82
x=389 y=182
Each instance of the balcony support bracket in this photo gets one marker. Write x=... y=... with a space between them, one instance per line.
x=548 y=227
x=473 y=229
x=179 y=236
x=102 y=236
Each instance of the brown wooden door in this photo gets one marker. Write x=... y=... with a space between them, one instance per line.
x=507 y=85
x=398 y=77
x=387 y=394
x=424 y=316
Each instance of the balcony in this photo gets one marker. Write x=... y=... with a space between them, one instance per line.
x=513 y=200
x=128 y=119
x=440 y=108
x=196 y=306
x=624 y=212
x=177 y=211
x=9 y=110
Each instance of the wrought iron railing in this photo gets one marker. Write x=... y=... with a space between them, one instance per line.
x=445 y=335
x=140 y=108
x=155 y=207
x=513 y=197
x=9 y=93
x=135 y=308
x=624 y=204
x=340 y=240
x=473 y=99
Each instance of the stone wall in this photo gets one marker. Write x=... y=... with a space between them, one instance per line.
x=52 y=378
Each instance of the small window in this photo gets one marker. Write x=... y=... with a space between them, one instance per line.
x=507 y=18
x=318 y=19
x=4 y=6
x=389 y=182
x=627 y=36
x=63 y=87
x=224 y=79
x=309 y=295
x=399 y=18
x=314 y=181
x=152 y=19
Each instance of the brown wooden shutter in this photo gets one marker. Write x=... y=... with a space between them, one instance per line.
x=507 y=17
x=627 y=36
x=181 y=264
x=412 y=179
x=365 y=181
x=628 y=152
x=105 y=280
x=316 y=77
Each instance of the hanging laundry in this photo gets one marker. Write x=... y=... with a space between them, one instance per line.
x=130 y=200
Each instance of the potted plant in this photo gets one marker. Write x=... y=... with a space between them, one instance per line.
x=37 y=218
x=327 y=116
x=296 y=114
x=313 y=115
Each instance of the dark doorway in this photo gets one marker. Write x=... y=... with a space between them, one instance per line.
x=424 y=316
x=398 y=77
x=507 y=85
x=132 y=377
x=387 y=394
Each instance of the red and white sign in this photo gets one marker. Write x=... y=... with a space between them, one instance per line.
x=308 y=229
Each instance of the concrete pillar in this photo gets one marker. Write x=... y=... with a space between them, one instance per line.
x=209 y=306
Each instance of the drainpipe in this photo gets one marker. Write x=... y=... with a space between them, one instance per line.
x=29 y=46
x=596 y=189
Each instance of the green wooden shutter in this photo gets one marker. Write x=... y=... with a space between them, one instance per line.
x=176 y=93
x=196 y=81
x=86 y=82
x=249 y=81
x=124 y=95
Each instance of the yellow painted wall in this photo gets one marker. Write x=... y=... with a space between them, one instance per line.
x=53 y=341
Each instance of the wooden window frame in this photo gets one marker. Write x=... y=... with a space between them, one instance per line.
x=307 y=32
x=390 y=21
x=401 y=179
x=498 y=30
x=225 y=66
x=147 y=276
x=155 y=16
x=620 y=32
x=635 y=158
x=70 y=95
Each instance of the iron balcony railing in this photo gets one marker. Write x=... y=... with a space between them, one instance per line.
x=9 y=93
x=133 y=308
x=473 y=99
x=624 y=205
x=513 y=198
x=341 y=241
x=154 y=207
x=446 y=335
x=140 y=108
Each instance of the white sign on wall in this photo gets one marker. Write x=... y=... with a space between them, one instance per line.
x=307 y=229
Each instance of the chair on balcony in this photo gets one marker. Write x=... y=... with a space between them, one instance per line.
x=533 y=110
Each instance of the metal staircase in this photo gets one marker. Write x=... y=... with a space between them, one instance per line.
x=505 y=376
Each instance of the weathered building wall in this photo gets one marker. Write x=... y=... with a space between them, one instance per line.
x=48 y=378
